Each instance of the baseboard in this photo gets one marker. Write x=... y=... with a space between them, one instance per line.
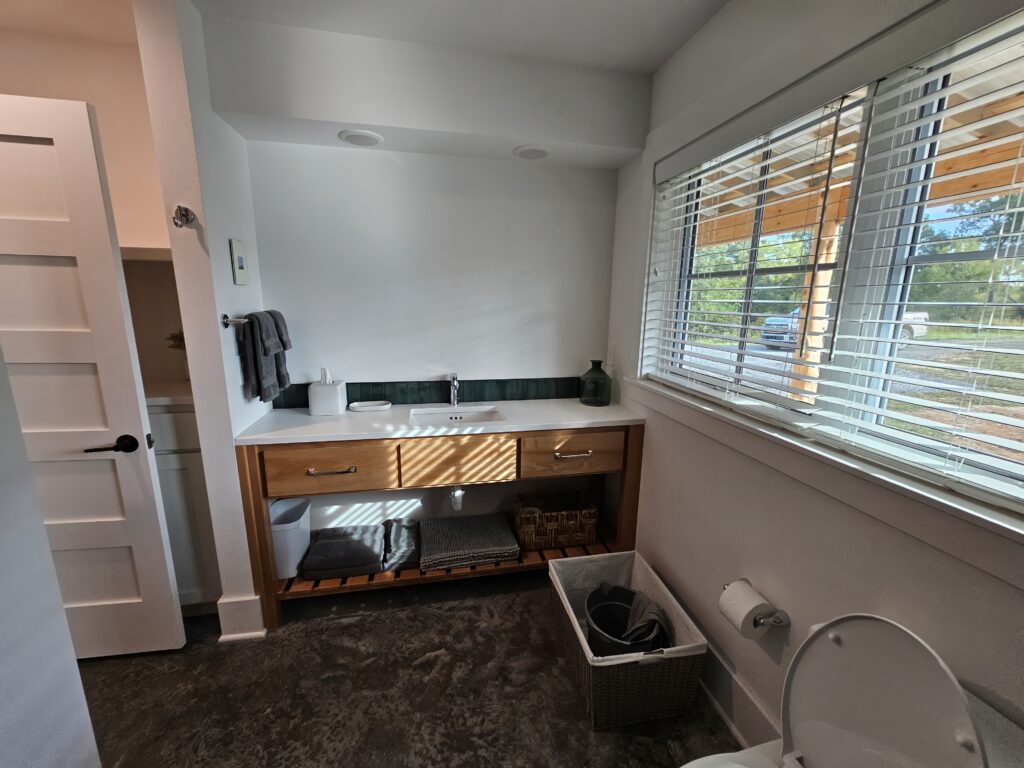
x=241 y=617
x=259 y=635
x=743 y=742
x=746 y=716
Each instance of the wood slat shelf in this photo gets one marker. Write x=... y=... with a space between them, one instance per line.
x=290 y=589
x=278 y=470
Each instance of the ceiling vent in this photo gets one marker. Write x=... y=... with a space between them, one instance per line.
x=358 y=137
x=531 y=151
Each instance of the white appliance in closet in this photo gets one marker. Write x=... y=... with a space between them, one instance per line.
x=179 y=465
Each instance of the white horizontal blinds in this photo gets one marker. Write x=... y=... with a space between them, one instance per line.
x=929 y=361
x=745 y=259
x=858 y=272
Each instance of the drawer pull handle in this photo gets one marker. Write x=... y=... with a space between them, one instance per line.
x=559 y=456
x=314 y=472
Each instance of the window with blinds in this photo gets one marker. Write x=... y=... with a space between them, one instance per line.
x=856 y=273
x=746 y=254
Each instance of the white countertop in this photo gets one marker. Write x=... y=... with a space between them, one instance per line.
x=168 y=392
x=295 y=425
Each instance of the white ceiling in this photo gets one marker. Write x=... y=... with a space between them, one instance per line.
x=107 y=21
x=627 y=35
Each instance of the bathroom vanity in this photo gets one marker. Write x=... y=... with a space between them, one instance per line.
x=290 y=453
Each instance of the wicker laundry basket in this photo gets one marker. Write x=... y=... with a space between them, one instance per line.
x=634 y=687
x=545 y=521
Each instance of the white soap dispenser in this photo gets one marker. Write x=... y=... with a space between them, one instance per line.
x=327 y=397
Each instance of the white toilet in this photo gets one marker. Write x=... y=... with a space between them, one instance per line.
x=863 y=692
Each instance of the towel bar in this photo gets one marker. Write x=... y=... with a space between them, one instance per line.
x=227 y=322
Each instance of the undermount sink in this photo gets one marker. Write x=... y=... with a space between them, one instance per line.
x=454 y=415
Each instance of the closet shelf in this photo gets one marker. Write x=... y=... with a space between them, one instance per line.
x=290 y=589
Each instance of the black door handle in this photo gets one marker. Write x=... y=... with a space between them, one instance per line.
x=123 y=444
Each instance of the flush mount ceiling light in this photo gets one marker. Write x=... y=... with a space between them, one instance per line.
x=531 y=151
x=359 y=137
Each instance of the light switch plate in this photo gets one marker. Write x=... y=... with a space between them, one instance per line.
x=239 y=262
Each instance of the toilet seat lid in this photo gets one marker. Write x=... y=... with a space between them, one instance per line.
x=863 y=692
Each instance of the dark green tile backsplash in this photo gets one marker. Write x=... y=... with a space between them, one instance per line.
x=418 y=392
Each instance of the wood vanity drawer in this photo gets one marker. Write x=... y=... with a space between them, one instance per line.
x=554 y=454
x=458 y=459
x=299 y=470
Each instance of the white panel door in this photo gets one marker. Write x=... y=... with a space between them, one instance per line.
x=66 y=333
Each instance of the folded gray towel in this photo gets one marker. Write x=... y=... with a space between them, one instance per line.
x=280 y=363
x=270 y=341
x=260 y=376
x=352 y=550
x=281 y=371
x=243 y=337
x=282 y=328
x=401 y=545
x=456 y=542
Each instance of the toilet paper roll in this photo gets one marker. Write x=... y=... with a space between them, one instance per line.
x=740 y=603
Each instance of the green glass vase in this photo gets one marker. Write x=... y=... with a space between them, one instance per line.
x=595 y=385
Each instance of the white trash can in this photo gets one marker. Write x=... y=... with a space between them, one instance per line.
x=289 y=528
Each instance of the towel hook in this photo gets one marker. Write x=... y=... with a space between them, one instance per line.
x=183 y=216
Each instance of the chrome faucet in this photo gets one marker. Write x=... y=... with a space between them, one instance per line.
x=454 y=398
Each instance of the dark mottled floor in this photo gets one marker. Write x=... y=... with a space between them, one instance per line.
x=459 y=675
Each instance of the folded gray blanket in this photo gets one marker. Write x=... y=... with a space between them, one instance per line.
x=353 y=550
x=401 y=544
x=456 y=542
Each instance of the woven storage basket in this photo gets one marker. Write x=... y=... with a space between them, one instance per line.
x=635 y=687
x=545 y=521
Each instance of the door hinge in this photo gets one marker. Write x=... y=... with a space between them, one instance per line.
x=149 y=440
x=183 y=216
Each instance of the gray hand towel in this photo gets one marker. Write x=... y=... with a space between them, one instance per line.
x=281 y=371
x=280 y=363
x=259 y=370
x=266 y=333
x=246 y=353
x=282 y=328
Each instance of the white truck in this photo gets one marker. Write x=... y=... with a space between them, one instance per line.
x=781 y=332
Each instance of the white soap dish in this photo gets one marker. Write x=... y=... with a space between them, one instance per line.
x=370 y=405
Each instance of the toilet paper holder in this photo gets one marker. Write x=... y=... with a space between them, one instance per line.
x=775 y=617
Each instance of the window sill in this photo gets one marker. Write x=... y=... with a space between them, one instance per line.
x=984 y=536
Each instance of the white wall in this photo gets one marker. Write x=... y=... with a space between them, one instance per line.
x=719 y=502
x=227 y=197
x=291 y=74
x=109 y=77
x=398 y=266
x=44 y=721
x=781 y=43
x=186 y=132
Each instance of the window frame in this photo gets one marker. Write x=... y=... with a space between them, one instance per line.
x=912 y=454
